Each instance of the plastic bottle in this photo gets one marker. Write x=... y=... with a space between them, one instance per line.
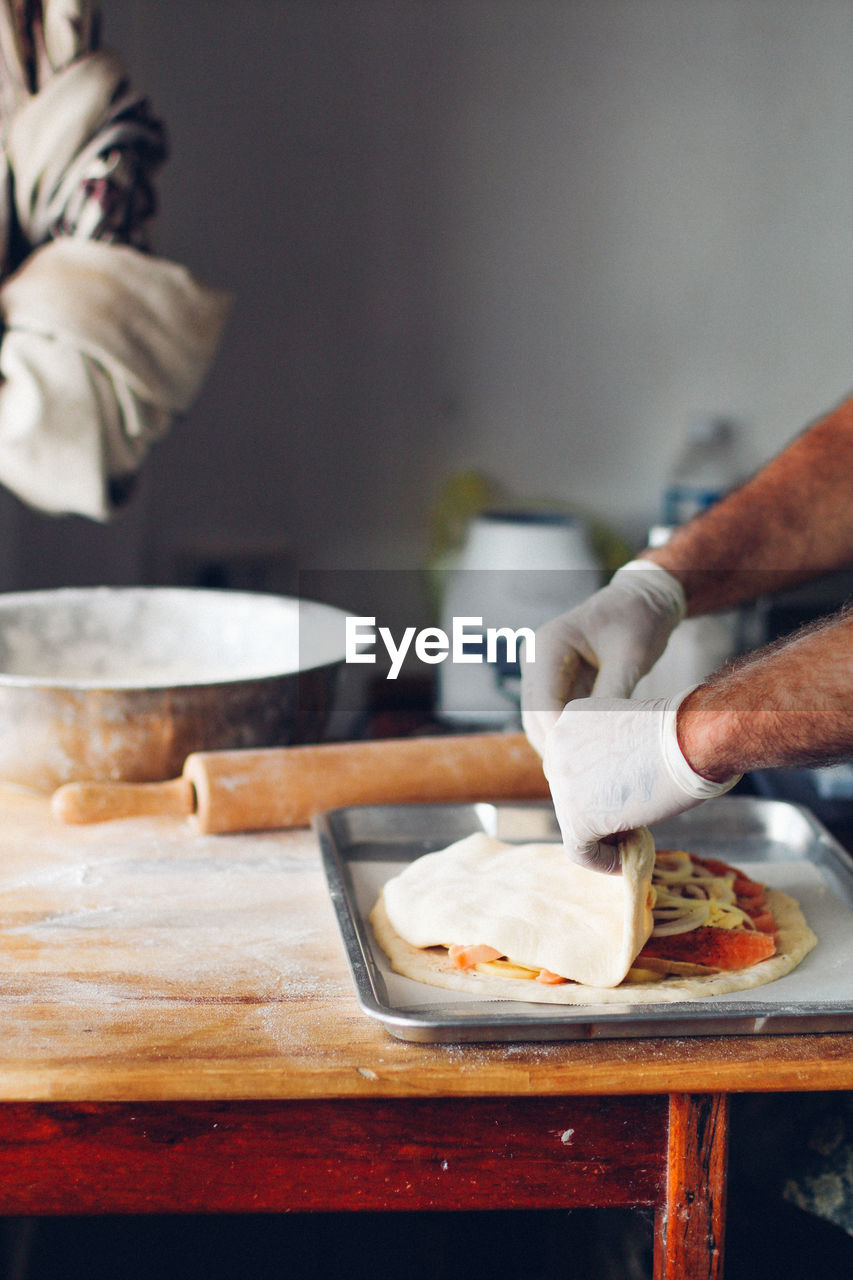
x=704 y=470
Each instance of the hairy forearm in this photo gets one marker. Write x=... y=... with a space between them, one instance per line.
x=788 y=704
x=791 y=522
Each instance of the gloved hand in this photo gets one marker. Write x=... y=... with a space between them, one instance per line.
x=612 y=765
x=603 y=646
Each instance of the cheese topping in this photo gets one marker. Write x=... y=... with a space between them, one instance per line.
x=687 y=896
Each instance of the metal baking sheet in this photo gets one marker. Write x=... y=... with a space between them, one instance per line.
x=779 y=843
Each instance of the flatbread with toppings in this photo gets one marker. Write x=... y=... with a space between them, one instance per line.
x=523 y=922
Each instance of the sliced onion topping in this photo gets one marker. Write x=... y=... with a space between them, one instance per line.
x=680 y=919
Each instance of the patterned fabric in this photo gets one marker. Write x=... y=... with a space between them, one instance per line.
x=109 y=193
x=103 y=343
x=104 y=189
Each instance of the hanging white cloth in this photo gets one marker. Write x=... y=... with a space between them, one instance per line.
x=103 y=343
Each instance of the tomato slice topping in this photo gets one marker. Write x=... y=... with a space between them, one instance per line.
x=717 y=948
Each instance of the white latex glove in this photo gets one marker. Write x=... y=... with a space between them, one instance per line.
x=603 y=646
x=612 y=765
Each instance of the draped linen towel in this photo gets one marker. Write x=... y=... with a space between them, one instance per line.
x=103 y=343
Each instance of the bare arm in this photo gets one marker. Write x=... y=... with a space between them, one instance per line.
x=613 y=763
x=791 y=522
x=788 y=704
x=791 y=703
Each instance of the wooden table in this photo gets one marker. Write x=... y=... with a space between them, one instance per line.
x=180 y=1034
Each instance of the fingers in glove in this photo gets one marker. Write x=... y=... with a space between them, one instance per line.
x=548 y=683
x=557 y=673
x=613 y=682
x=601 y=855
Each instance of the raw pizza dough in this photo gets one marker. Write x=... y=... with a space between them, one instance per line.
x=545 y=911
x=531 y=902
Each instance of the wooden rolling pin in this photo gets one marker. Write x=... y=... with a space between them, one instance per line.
x=257 y=790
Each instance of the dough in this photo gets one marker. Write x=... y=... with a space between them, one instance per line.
x=440 y=898
x=531 y=902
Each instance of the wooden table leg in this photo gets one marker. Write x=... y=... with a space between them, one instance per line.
x=690 y=1225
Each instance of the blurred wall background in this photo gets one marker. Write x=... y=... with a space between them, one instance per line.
x=527 y=236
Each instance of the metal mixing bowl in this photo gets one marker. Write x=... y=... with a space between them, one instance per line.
x=123 y=683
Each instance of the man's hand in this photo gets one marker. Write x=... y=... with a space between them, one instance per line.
x=612 y=765
x=603 y=646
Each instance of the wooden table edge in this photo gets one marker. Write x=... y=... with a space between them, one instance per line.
x=200 y=1081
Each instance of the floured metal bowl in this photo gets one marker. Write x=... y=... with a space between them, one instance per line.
x=123 y=683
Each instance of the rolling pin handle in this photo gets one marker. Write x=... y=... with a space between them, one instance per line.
x=84 y=802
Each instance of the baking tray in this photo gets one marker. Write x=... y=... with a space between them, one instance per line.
x=779 y=843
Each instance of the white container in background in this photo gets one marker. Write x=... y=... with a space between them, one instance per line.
x=516 y=569
x=696 y=648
